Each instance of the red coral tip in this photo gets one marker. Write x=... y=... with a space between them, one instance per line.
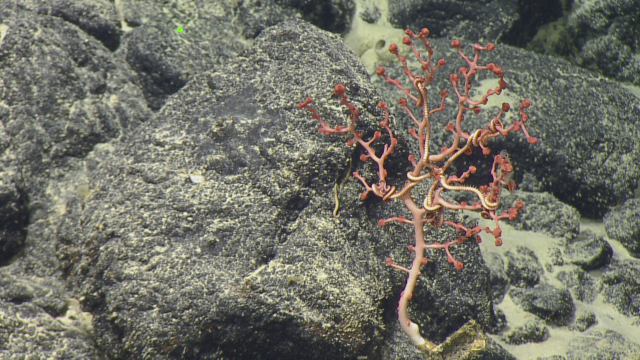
x=498 y=71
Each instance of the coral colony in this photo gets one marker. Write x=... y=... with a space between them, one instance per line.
x=433 y=167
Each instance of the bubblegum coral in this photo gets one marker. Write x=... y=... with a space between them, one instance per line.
x=433 y=167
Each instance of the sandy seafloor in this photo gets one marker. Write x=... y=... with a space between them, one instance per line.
x=608 y=318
